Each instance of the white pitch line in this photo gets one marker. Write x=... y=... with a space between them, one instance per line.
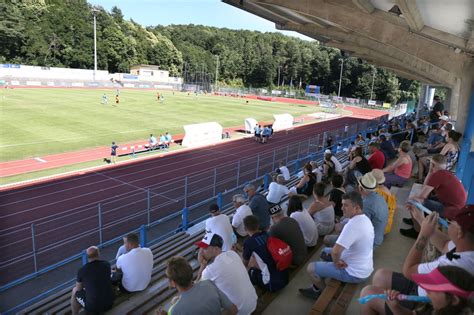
x=40 y=160
x=140 y=188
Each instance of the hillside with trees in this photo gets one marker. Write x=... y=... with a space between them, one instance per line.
x=60 y=33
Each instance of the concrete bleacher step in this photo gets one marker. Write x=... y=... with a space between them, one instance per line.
x=158 y=291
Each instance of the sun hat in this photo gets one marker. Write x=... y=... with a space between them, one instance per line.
x=379 y=176
x=437 y=282
x=367 y=182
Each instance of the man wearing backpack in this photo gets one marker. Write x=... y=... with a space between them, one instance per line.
x=261 y=266
x=288 y=230
x=351 y=256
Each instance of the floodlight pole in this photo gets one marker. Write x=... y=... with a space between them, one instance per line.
x=94 y=11
x=279 y=67
x=340 y=77
x=217 y=72
x=373 y=79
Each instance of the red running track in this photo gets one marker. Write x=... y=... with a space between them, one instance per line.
x=65 y=211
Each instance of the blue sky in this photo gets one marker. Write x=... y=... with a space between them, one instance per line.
x=205 y=12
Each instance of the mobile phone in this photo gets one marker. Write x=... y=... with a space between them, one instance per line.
x=441 y=221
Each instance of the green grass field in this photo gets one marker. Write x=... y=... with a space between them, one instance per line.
x=39 y=122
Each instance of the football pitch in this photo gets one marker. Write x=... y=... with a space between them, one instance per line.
x=38 y=122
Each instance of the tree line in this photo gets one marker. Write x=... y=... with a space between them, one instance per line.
x=60 y=33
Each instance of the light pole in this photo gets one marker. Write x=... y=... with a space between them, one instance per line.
x=340 y=77
x=373 y=79
x=279 y=67
x=217 y=71
x=94 y=11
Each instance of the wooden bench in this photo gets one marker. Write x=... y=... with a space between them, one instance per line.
x=334 y=299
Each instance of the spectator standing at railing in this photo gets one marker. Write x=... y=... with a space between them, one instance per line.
x=259 y=206
x=202 y=297
x=352 y=255
x=242 y=211
x=135 y=266
x=93 y=290
x=227 y=271
x=437 y=110
x=219 y=224
x=376 y=158
x=457 y=248
x=399 y=171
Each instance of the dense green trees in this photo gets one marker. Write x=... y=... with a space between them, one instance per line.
x=60 y=33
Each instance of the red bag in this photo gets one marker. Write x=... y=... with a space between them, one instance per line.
x=281 y=253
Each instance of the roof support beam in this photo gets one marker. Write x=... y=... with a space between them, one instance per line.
x=411 y=14
x=364 y=5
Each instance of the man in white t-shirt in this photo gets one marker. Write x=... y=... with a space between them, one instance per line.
x=136 y=265
x=457 y=248
x=227 y=271
x=352 y=255
x=277 y=190
x=242 y=210
x=219 y=223
x=283 y=170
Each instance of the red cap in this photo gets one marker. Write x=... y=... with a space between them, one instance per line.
x=437 y=282
x=465 y=218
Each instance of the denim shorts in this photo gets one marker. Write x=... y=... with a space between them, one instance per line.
x=329 y=270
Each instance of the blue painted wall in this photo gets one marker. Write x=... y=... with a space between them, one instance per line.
x=465 y=170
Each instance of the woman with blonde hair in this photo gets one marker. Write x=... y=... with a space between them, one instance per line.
x=390 y=198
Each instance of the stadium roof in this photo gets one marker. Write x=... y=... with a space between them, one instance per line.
x=425 y=40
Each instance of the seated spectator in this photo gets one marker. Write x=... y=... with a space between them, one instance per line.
x=457 y=248
x=387 y=148
x=259 y=206
x=93 y=290
x=227 y=272
x=334 y=160
x=242 y=210
x=277 y=190
x=317 y=171
x=162 y=141
x=135 y=266
x=260 y=264
x=412 y=135
x=202 y=297
x=389 y=198
x=374 y=206
x=122 y=249
x=219 y=224
x=304 y=219
x=322 y=210
x=152 y=142
x=288 y=230
x=450 y=150
x=448 y=193
x=357 y=167
x=168 y=139
x=359 y=141
x=351 y=255
x=335 y=195
x=376 y=158
x=399 y=171
x=283 y=170
x=306 y=184
x=329 y=168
